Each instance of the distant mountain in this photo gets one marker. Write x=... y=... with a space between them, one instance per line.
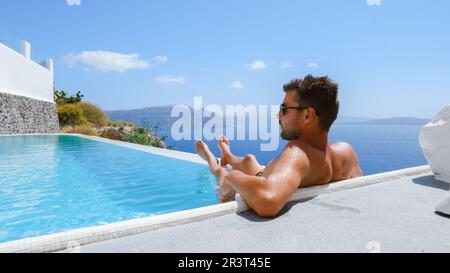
x=162 y=115
x=156 y=115
x=151 y=115
x=347 y=119
x=393 y=121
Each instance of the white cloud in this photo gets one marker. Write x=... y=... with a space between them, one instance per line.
x=73 y=2
x=170 y=79
x=257 y=65
x=112 y=61
x=158 y=60
x=374 y=2
x=237 y=85
x=286 y=65
x=313 y=65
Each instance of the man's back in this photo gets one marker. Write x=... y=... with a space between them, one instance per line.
x=339 y=162
x=345 y=162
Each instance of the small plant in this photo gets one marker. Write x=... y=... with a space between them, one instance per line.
x=61 y=97
x=154 y=130
x=140 y=136
x=171 y=147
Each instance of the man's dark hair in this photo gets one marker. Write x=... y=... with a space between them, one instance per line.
x=321 y=93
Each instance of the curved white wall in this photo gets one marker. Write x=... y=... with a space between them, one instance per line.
x=19 y=75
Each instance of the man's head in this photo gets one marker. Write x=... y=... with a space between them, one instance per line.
x=310 y=104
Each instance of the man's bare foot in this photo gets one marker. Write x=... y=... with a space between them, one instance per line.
x=204 y=152
x=227 y=193
x=224 y=146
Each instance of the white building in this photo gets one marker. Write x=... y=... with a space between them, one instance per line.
x=26 y=93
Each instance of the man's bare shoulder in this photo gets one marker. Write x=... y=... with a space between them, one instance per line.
x=290 y=167
x=294 y=154
x=343 y=148
x=344 y=159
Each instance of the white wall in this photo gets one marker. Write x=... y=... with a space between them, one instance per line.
x=20 y=75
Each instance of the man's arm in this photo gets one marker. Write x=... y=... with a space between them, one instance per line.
x=268 y=195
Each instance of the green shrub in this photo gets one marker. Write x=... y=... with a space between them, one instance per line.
x=144 y=136
x=93 y=114
x=85 y=129
x=139 y=136
x=70 y=115
x=113 y=123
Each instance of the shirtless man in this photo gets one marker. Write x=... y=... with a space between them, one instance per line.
x=309 y=109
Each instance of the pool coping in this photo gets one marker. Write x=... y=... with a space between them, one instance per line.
x=78 y=237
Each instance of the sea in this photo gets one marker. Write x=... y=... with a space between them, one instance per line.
x=380 y=148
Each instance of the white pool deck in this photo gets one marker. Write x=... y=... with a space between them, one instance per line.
x=393 y=216
x=388 y=212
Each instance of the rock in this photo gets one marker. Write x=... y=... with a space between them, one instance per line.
x=444 y=205
x=156 y=141
x=436 y=148
x=115 y=133
x=434 y=140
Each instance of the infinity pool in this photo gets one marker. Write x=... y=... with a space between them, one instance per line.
x=51 y=184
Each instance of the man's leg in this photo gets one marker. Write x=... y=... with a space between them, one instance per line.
x=248 y=164
x=227 y=193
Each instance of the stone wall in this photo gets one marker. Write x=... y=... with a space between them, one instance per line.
x=23 y=115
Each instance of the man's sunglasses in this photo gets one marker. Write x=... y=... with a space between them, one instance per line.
x=284 y=107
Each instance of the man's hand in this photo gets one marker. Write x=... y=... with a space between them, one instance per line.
x=227 y=193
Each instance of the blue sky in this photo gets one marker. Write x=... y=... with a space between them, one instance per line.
x=391 y=57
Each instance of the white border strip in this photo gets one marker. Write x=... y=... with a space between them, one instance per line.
x=78 y=237
x=148 y=149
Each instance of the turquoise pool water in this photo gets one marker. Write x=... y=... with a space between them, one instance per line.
x=52 y=184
